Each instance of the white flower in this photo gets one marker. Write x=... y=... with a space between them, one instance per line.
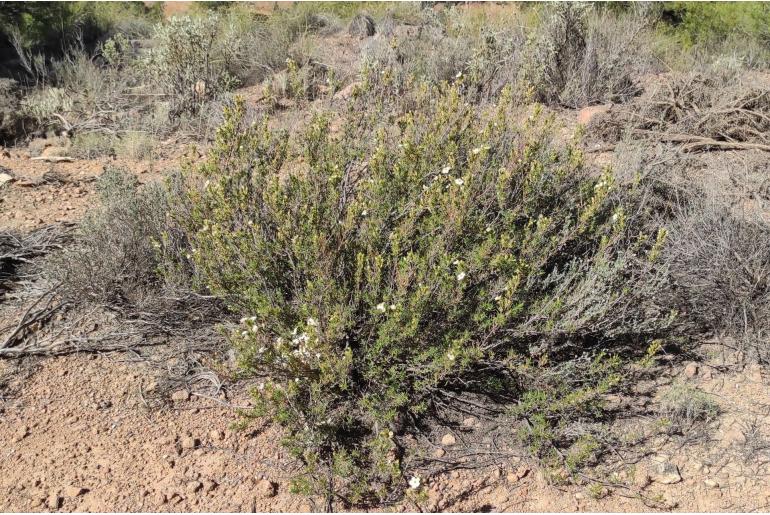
x=459 y=181
x=461 y=276
x=459 y=74
x=296 y=379
x=381 y=307
x=245 y=334
x=456 y=262
x=312 y=322
x=615 y=217
x=450 y=356
x=261 y=386
x=364 y=212
x=392 y=307
x=488 y=229
x=476 y=151
x=446 y=169
x=414 y=482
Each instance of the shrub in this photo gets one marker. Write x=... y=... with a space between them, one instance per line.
x=720 y=268
x=114 y=261
x=579 y=57
x=379 y=271
x=12 y=120
x=186 y=64
x=683 y=405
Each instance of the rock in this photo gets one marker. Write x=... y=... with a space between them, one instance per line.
x=733 y=436
x=347 y=91
x=362 y=26
x=5 y=177
x=666 y=473
x=439 y=453
x=74 y=491
x=216 y=435
x=160 y=498
x=193 y=486
x=180 y=395
x=470 y=422
x=266 y=489
x=517 y=474
x=53 y=502
x=586 y=114
x=448 y=439
x=710 y=483
x=189 y=442
x=691 y=370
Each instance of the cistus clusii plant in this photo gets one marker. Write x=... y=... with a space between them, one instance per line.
x=383 y=265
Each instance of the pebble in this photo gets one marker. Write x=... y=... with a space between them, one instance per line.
x=216 y=435
x=180 y=395
x=667 y=473
x=189 y=442
x=74 y=491
x=710 y=483
x=470 y=422
x=194 y=486
x=53 y=502
x=691 y=370
x=448 y=439
x=439 y=453
x=266 y=488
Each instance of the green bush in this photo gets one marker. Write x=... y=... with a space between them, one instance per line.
x=377 y=272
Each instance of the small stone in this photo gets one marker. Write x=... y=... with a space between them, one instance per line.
x=691 y=370
x=470 y=422
x=74 y=491
x=266 y=488
x=189 y=442
x=448 y=439
x=161 y=498
x=216 y=435
x=4 y=177
x=439 y=453
x=667 y=473
x=710 y=483
x=193 y=486
x=180 y=396
x=53 y=502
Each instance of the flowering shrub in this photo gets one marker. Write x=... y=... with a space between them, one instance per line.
x=383 y=267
